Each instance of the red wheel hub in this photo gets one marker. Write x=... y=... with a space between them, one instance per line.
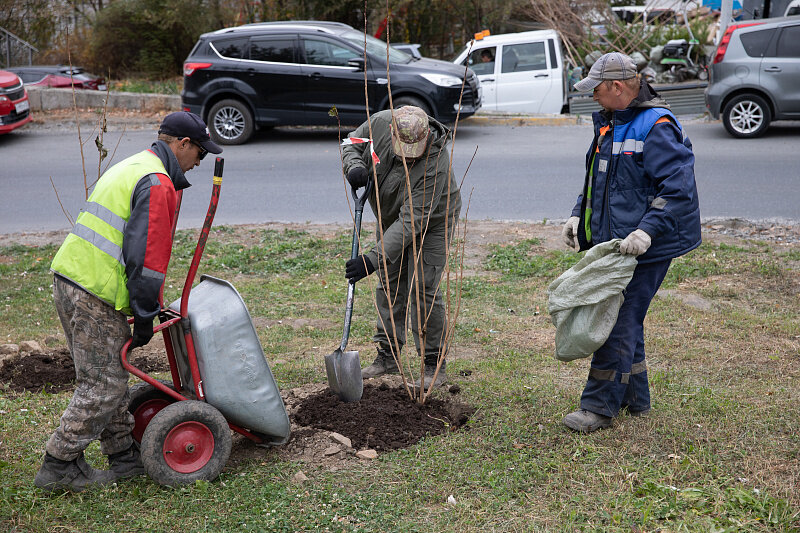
x=188 y=447
x=144 y=413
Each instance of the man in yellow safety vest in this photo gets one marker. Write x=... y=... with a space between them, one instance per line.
x=112 y=265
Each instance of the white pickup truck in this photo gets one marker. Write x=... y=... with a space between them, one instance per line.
x=519 y=72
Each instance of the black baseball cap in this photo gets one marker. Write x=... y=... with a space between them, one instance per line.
x=185 y=124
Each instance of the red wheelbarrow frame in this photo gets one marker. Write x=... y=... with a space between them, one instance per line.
x=169 y=317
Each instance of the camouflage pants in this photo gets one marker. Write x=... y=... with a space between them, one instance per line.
x=95 y=334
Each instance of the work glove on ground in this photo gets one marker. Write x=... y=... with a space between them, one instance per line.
x=357 y=177
x=636 y=243
x=142 y=333
x=570 y=232
x=358 y=268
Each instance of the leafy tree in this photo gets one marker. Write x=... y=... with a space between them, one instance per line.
x=31 y=20
x=150 y=37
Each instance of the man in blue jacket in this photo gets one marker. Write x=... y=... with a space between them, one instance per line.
x=639 y=187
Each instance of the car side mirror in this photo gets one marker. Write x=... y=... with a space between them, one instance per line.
x=357 y=63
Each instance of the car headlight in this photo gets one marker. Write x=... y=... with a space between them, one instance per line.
x=442 y=80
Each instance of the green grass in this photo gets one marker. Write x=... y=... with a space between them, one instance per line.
x=720 y=451
x=523 y=260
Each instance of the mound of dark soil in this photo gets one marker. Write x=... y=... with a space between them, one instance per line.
x=54 y=372
x=384 y=419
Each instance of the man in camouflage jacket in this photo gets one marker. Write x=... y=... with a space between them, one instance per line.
x=416 y=212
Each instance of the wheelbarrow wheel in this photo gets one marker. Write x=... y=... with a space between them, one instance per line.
x=185 y=442
x=145 y=402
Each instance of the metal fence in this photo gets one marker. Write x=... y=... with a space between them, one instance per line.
x=683 y=99
x=15 y=51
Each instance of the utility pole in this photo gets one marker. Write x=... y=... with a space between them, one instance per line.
x=725 y=16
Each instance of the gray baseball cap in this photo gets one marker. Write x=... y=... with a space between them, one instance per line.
x=612 y=66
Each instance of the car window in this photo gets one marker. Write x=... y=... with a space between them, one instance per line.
x=755 y=42
x=523 y=57
x=31 y=77
x=481 y=61
x=376 y=47
x=551 y=44
x=789 y=42
x=319 y=52
x=232 y=48
x=277 y=50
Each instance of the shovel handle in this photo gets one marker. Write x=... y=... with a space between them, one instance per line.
x=359 y=211
x=351 y=286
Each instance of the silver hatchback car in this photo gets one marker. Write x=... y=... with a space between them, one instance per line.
x=755 y=76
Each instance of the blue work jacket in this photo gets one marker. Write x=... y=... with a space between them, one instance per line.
x=641 y=176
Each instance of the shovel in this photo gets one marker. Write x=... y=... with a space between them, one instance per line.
x=344 y=368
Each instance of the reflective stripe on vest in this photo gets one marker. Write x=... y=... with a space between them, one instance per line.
x=106 y=215
x=91 y=255
x=100 y=242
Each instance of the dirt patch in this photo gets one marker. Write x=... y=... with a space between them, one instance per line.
x=384 y=419
x=54 y=371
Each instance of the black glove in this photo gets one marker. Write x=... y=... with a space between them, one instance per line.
x=358 y=177
x=358 y=268
x=142 y=333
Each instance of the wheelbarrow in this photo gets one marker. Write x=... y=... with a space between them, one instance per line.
x=221 y=380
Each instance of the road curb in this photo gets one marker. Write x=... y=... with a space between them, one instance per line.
x=46 y=99
x=527 y=120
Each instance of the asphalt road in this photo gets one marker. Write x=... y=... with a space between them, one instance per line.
x=293 y=175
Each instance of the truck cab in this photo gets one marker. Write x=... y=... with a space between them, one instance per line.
x=519 y=72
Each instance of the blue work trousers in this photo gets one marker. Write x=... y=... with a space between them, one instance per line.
x=618 y=374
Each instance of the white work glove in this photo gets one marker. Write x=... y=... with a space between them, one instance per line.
x=636 y=243
x=570 y=232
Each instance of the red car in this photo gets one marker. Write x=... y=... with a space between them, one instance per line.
x=14 y=107
x=59 y=76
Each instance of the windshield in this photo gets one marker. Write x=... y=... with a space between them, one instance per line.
x=376 y=47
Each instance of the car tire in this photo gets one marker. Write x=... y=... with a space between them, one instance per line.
x=411 y=100
x=746 y=116
x=230 y=122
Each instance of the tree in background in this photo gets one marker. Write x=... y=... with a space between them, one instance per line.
x=150 y=37
x=439 y=26
x=31 y=20
x=153 y=37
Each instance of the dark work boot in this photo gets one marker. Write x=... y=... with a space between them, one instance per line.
x=75 y=475
x=127 y=463
x=383 y=364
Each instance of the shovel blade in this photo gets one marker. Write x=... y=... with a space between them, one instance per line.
x=344 y=375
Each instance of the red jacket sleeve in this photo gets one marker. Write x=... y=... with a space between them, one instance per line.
x=147 y=243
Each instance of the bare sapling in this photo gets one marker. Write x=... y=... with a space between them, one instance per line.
x=416 y=305
x=101 y=128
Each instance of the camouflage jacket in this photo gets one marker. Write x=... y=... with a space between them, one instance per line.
x=428 y=203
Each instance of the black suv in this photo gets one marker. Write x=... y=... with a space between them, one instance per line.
x=293 y=73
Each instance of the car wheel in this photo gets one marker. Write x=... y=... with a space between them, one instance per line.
x=231 y=122
x=746 y=116
x=411 y=100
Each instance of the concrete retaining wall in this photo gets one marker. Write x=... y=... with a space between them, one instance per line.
x=44 y=99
